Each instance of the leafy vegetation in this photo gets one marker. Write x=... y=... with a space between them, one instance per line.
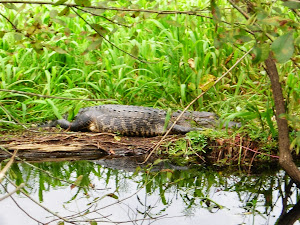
x=65 y=52
x=153 y=53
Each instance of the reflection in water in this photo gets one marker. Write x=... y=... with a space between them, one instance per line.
x=87 y=191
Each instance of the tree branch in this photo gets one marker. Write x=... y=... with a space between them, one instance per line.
x=137 y=58
x=94 y=14
x=55 y=97
x=285 y=156
x=112 y=8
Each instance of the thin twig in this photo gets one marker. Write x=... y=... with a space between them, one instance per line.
x=112 y=8
x=247 y=17
x=56 y=97
x=135 y=57
x=159 y=12
x=104 y=17
x=257 y=152
x=11 y=23
x=192 y=102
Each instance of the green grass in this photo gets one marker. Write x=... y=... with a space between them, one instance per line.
x=107 y=73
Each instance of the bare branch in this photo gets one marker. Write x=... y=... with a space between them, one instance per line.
x=56 y=97
x=11 y=23
x=106 y=38
x=94 y=14
x=113 y=8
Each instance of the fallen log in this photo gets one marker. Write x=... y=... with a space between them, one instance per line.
x=57 y=146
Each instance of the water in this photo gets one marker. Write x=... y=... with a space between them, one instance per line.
x=121 y=196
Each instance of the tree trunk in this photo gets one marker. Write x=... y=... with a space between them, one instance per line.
x=285 y=156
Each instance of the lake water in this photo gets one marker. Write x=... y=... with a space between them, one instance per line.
x=164 y=195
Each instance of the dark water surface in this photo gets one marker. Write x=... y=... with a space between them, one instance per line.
x=112 y=192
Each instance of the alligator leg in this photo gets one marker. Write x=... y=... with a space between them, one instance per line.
x=79 y=124
x=177 y=129
x=63 y=123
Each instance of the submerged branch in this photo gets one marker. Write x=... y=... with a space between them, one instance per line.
x=39 y=204
x=9 y=194
x=23 y=210
x=7 y=166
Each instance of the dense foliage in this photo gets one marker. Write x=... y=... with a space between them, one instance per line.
x=65 y=52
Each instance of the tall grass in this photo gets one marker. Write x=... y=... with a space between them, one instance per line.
x=107 y=73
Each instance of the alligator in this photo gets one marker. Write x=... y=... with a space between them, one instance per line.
x=131 y=120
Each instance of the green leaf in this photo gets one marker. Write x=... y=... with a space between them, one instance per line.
x=83 y=2
x=292 y=4
x=215 y=11
x=135 y=51
x=99 y=29
x=112 y=195
x=174 y=23
x=54 y=108
x=53 y=13
x=10 y=6
x=283 y=47
x=60 y=2
x=183 y=92
x=2 y=34
x=61 y=22
x=272 y=21
x=78 y=180
x=93 y=223
x=260 y=53
x=37 y=46
x=157 y=161
x=297 y=41
x=169 y=175
x=95 y=44
x=242 y=38
x=59 y=50
x=18 y=36
x=64 y=12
